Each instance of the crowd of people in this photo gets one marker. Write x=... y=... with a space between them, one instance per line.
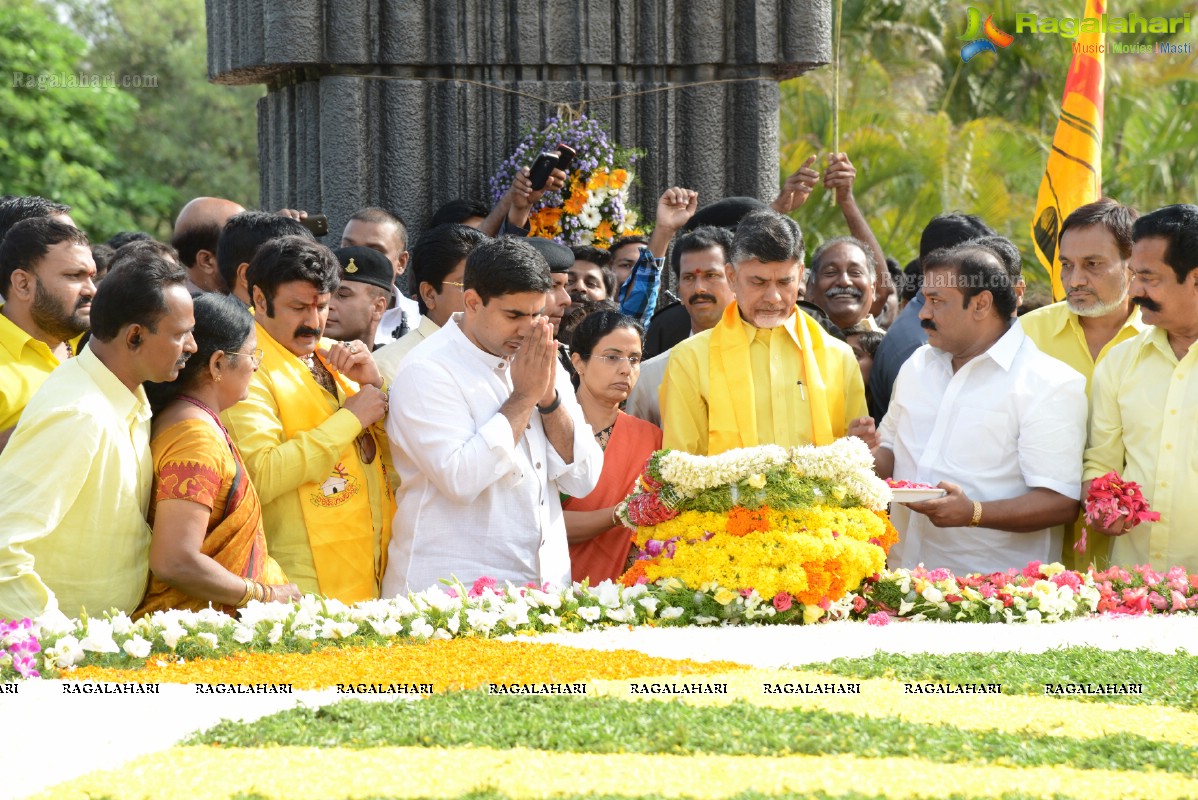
x=248 y=414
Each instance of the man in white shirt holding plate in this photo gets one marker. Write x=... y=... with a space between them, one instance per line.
x=989 y=418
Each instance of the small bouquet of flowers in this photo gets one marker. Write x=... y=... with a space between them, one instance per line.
x=1111 y=498
x=593 y=207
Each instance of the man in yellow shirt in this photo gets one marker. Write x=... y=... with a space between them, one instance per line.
x=308 y=432
x=74 y=536
x=766 y=373
x=1097 y=314
x=1144 y=398
x=46 y=272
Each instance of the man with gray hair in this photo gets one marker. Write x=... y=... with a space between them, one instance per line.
x=767 y=373
x=841 y=282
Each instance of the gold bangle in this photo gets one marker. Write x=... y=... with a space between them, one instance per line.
x=259 y=594
x=269 y=591
x=977 y=514
x=249 y=592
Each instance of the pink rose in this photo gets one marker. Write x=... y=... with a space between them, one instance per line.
x=782 y=601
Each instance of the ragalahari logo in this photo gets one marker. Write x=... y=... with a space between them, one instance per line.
x=982 y=36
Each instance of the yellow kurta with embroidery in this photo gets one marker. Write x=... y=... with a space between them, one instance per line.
x=298 y=475
x=1144 y=425
x=1057 y=332
x=778 y=393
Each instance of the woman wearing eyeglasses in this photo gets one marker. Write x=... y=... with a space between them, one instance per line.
x=208 y=545
x=606 y=353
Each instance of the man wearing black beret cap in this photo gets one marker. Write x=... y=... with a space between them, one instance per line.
x=560 y=258
x=358 y=304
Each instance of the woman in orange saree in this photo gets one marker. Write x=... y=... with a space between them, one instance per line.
x=208 y=546
x=606 y=354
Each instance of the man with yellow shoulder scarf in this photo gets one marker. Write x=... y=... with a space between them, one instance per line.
x=767 y=373
x=310 y=430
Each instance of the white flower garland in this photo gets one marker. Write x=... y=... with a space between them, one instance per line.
x=846 y=461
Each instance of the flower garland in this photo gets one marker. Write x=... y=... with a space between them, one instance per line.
x=593 y=208
x=800 y=525
x=809 y=554
x=840 y=474
x=1038 y=593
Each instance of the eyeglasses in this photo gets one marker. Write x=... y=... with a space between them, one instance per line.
x=255 y=356
x=615 y=361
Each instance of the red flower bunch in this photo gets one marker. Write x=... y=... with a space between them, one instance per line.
x=1111 y=497
x=647 y=509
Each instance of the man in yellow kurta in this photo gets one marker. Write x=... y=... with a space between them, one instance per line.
x=1096 y=315
x=766 y=373
x=46 y=272
x=1144 y=397
x=75 y=478
x=308 y=431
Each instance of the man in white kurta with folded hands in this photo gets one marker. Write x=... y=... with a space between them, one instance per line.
x=485 y=433
x=984 y=414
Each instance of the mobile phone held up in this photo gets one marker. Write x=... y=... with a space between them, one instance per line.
x=547 y=162
x=318 y=224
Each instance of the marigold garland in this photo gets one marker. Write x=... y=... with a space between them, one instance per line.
x=814 y=555
x=447 y=665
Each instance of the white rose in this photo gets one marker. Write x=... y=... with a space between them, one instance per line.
x=66 y=652
x=99 y=637
x=137 y=647
x=385 y=627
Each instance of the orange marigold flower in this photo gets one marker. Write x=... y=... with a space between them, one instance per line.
x=635 y=573
x=742 y=520
x=891 y=536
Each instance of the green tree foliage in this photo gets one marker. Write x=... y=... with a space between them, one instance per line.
x=55 y=140
x=930 y=134
x=190 y=137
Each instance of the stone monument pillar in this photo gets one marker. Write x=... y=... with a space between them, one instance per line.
x=400 y=103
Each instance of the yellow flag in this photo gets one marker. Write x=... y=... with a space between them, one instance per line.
x=1073 y=175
